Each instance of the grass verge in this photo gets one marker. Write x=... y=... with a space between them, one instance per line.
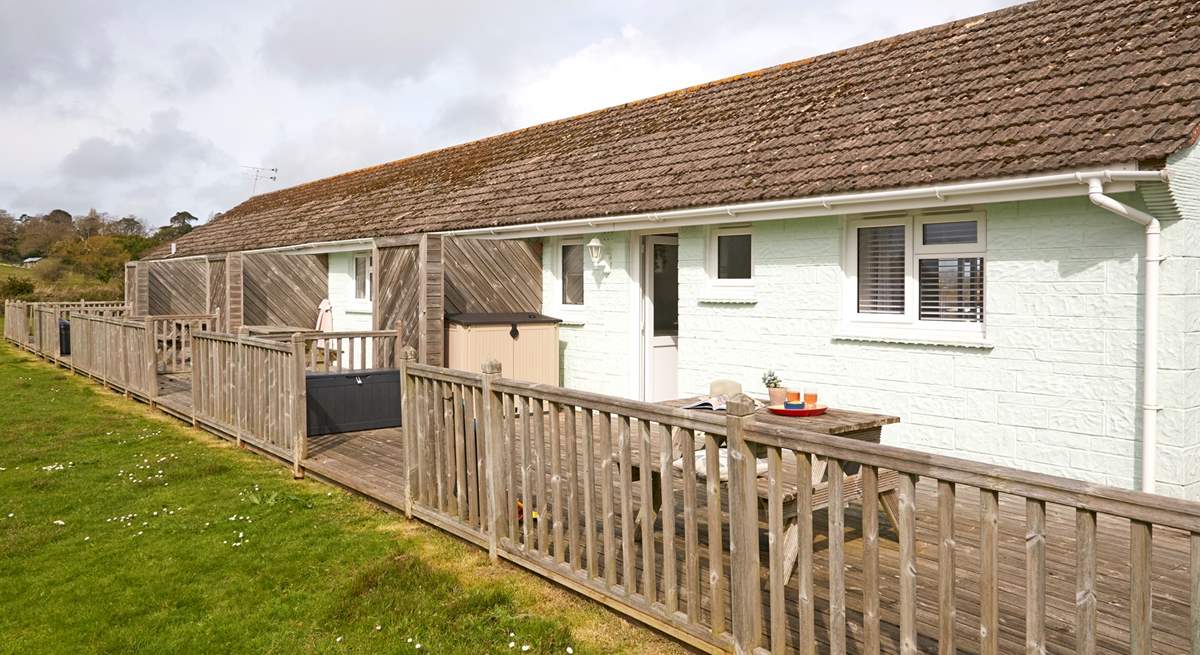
x=123 y=531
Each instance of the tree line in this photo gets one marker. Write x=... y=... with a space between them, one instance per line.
x=83 y=254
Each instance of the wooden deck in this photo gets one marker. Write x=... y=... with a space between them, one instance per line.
x=1128 y=582
x=370 y=463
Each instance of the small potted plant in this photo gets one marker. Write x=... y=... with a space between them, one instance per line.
x=774 y=387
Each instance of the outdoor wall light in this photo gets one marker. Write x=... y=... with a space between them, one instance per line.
x=596 y=250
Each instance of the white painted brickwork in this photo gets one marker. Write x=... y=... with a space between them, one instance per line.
x=595 y=340
x=1184 y=317
x=1058 y=393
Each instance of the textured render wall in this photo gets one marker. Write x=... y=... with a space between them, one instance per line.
x=1182 y=247
x=596 y=345
x=1058 y=393
x=349 y=314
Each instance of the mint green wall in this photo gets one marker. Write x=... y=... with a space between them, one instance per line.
x=1058 y=391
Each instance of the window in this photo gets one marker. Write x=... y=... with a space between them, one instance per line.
x=918 y=272
x=881 y=267
x=571 y=268
x=363 y=274
x=730 y=258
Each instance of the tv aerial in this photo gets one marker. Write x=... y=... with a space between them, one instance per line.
x=258 y=173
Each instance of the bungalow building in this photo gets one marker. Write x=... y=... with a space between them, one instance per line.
x=990 y=228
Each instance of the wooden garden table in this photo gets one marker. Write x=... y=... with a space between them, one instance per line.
x=844 y=423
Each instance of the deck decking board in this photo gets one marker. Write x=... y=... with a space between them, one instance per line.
x=366 y=454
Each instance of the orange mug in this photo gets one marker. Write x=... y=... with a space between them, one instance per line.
x=793 y=396
x=810 y=397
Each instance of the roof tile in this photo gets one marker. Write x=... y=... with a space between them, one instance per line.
x=1036 y=87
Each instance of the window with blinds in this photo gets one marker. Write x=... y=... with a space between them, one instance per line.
x=933 y=282
x=572 y=274
x=950 y=289
x=881 y=259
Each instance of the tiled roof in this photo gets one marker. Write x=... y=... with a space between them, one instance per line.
x=1044 y=86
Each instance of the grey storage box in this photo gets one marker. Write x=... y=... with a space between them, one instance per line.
x=351 y=402
x=64 y=339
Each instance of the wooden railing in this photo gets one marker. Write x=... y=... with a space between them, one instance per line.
x=34 y=325
x=445 y=477
x=114 y=351
x=1144 y=515
x=172 y=337
x=607 y=496
x=248 y=388
x=336 y=352
x=253 y=388
x=610 y=497
x=16 y=322
x=569 y=484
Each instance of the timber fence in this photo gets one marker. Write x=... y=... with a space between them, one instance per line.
x=703 y=524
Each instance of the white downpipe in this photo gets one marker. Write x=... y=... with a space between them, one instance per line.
x=1153 y=259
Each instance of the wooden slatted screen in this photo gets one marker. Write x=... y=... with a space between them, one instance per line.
x=283 y=289
x=493 y=276
x=177 y=287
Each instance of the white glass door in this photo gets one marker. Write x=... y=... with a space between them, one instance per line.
x=660 y=317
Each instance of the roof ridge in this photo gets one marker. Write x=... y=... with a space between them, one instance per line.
x=694 y=88
x=1019 y=90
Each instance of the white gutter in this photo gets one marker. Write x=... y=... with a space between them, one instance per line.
x=1057 y=184
x=168 y=259
x=318 y=246
x=1153 y=261
x=1039 y=186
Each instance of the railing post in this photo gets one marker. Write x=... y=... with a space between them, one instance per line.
x=397 y=347
x=151 y=364
x=299 y=408
x=406 y=356
x=195 y=379
x=493 y=440
x=124 y=346
x=743 y=527
x=240 y=394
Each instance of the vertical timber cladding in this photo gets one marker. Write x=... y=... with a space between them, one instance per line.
x=433 y=301
x=141 y=289
x=420 y=278
x=234 y=292
x=283 y=289
x=177 y=287
x=130 y=285
x=216 y=290
x=397 y=281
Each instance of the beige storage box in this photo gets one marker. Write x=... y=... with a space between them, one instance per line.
x=525 y=344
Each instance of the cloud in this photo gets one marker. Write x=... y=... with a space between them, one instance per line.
x=46 y=46
x=150 y=107
x=474 y=116
x=351 y=139
x=612 y=70
x=194 y=68
x=380 y=42
x=152 y=171
x=163 y=147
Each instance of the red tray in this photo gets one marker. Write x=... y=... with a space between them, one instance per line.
x=816 y=410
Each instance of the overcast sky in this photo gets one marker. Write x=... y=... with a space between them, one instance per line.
x=153 y=107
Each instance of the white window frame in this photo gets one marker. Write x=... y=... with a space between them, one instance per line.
x=369 y=284
x=711 y=263
x=908 y=326
x=570 y=313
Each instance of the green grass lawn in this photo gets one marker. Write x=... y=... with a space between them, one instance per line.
x=122 y=531
x=15 y=271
